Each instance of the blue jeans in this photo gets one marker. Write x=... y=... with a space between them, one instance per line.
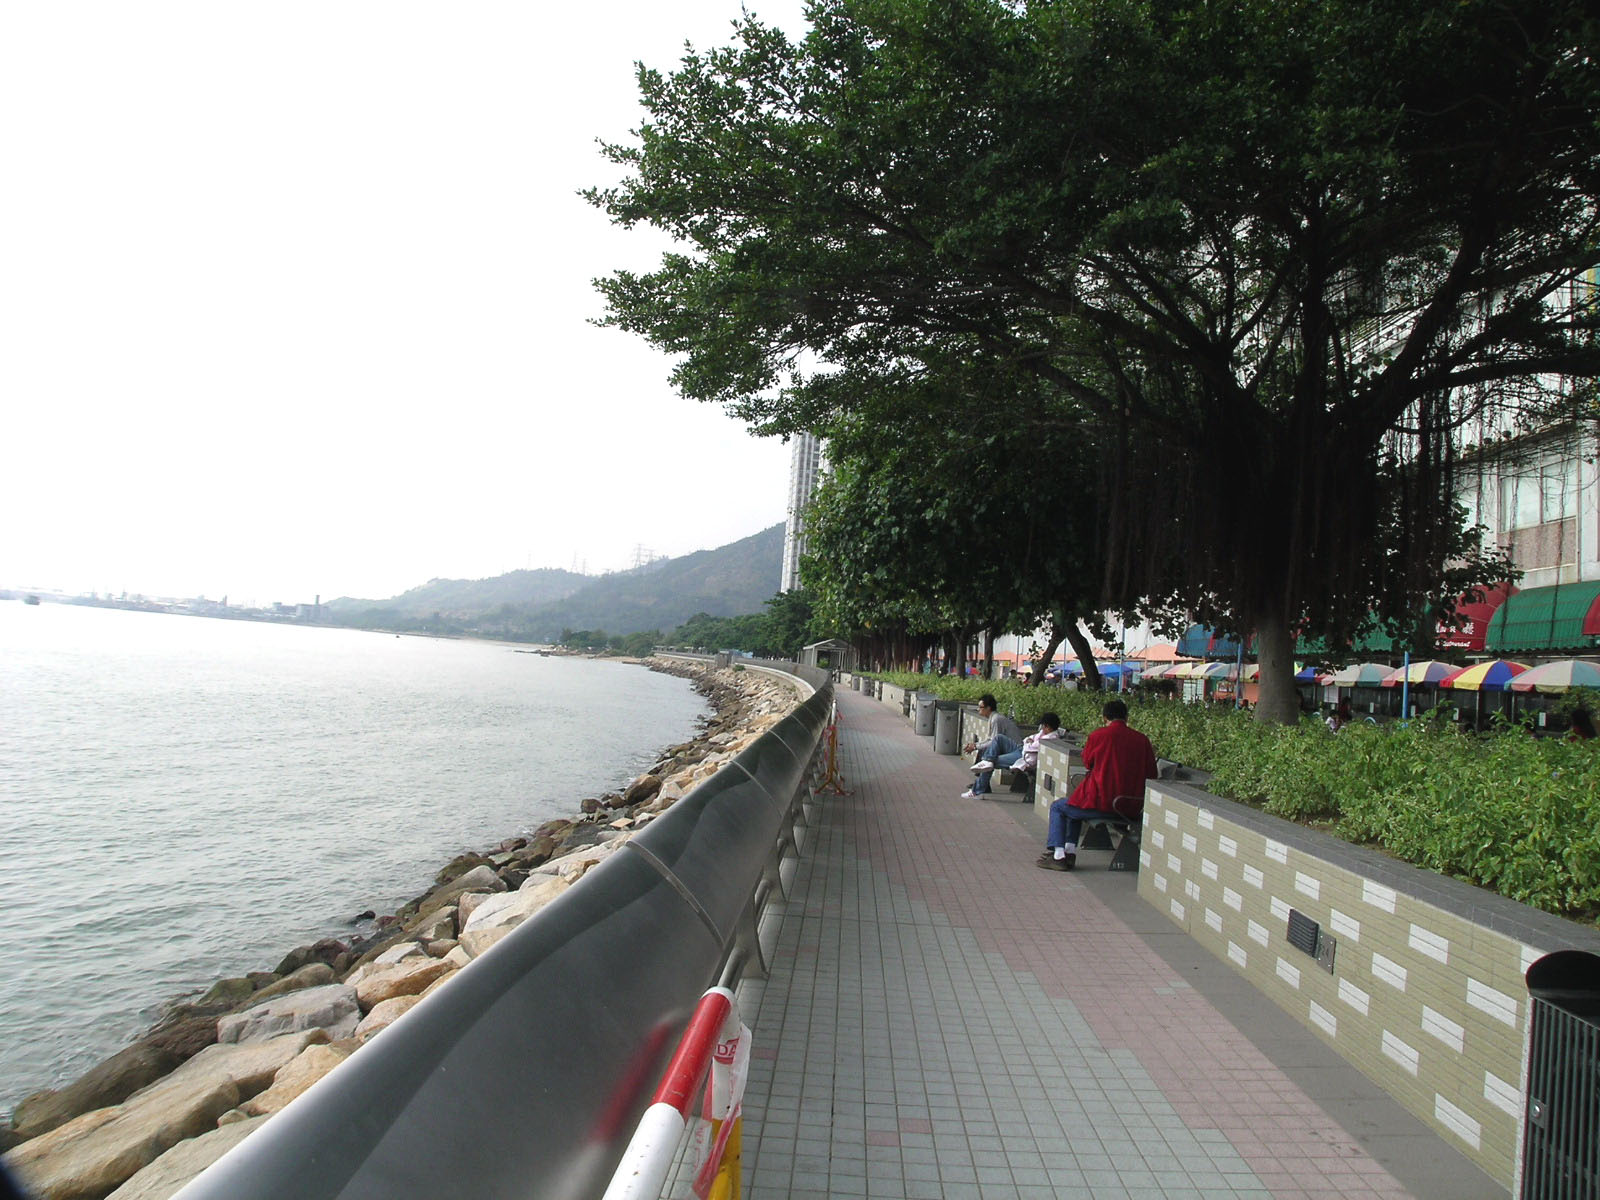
x=1001 y=751
x=1066 y=822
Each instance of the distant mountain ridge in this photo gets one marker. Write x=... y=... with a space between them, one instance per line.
x=537 y=605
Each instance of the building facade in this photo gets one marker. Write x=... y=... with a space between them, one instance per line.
x=805 y=472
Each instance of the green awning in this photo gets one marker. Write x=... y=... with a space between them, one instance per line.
x=1562 y=618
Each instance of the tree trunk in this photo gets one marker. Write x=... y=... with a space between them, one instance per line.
x=1042 y=663
x=1278 y=703
x=988 y=653
x=1079 y=641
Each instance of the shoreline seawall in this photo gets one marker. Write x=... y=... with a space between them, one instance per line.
x=215 y=1066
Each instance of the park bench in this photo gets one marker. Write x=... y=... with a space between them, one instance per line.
x=1126 y=822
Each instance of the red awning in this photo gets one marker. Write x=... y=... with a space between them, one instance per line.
x=1471 y=625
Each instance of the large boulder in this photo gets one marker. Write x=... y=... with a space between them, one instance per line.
x=92 y=1154
x=250 y=1066
x=325 y=951
x=399 y=979
x=170 y=1173
x=572 y=866
x=459 y=866
x=479 y=879
x=185 y=1038
x=331 y=1007
x=314 y=974
x=440 y=923
x=384 y=1014
x=641 y=789
x=226 y=994
x=512 y=908
x=111 y=1082
x=294 y=1077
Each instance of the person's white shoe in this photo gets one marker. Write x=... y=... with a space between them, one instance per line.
x=969 y=794
x=983 y=765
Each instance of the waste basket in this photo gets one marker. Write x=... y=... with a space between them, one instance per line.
x=947 y=726
x=922 y=714
x=1560 y=1150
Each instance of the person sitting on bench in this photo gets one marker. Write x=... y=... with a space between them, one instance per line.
x=1002 y=737
x=1118 y=761
x=1024 y=758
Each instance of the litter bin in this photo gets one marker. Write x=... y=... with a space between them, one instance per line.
x=922 y=714
x=1560 y=1150
x=947 y=726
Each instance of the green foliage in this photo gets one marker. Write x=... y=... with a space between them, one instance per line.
x=1510 y=812
x=1144 y=247
x=780 y=632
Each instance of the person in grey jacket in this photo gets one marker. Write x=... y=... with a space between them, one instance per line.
x=1002 y=737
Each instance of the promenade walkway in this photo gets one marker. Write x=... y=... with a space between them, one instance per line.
x=944 y=1019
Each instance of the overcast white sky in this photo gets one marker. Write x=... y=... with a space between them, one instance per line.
x=294 y=299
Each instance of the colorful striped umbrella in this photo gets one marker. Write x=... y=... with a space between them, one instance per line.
x=1428 y=671
x=1492 y=676
x=1558 y=676
x=1368 y=674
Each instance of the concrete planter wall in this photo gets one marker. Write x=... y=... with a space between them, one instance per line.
x=1426 y=995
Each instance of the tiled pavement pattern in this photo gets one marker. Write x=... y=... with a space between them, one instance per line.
x=944 y=1019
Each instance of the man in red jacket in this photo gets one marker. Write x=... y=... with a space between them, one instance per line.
x=1118 y=760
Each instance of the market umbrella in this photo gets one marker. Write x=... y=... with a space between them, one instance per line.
x=1158 y=652
x=1428 y=671
x=1492 y=676
x=1367 y=674
x=1558 y=676
x=1309 y=675
x=1219 y=670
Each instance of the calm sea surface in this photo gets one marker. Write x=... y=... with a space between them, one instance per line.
x=183 y=799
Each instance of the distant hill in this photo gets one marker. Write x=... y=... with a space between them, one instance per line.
x=537 y=605
x=472 y=597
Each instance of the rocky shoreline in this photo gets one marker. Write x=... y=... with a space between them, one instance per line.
x=142 y=1123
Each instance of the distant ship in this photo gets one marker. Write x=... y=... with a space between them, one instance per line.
x=30 y=599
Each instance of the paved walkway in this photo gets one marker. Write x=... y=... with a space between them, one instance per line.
x=944 y=1019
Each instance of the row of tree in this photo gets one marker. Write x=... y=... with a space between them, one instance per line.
x=780 y=632
x=1159 y=307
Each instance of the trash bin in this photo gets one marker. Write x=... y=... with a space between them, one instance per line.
x=1560 y=1153
x=947 y=726
x=922 y=714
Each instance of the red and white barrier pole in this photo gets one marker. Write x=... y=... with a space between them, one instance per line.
x=714 y=1041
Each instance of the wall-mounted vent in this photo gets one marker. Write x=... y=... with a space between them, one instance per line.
x=1303 y=932
x=1306 y=935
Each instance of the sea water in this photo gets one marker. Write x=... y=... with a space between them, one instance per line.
x=183 y=799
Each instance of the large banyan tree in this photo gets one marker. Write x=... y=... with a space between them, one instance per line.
x=1263 y=257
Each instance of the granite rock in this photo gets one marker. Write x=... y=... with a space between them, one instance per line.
x=331 y=1007
x=170 y=1173
x=110 y=1082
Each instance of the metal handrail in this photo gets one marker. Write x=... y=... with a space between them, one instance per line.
x=526 y=1075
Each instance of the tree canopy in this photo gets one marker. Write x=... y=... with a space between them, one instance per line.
x=1260 y=262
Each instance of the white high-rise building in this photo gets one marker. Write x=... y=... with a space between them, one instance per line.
x=805 y=470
